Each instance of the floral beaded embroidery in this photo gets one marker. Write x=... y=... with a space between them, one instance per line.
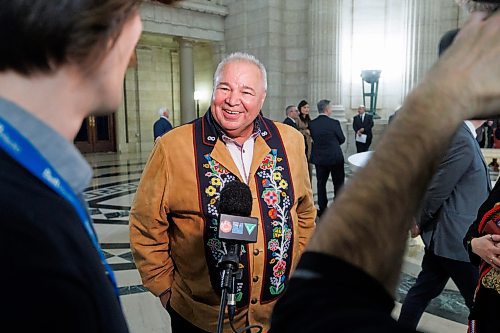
x=219 y=176
x=278 y=205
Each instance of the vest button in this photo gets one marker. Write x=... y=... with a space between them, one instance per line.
x=254 y=301
x=256 y=252
x=255 y=279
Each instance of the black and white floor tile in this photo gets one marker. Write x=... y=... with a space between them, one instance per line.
x=109 y=197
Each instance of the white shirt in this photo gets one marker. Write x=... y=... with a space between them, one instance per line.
x=242 y=155
x=471 y=127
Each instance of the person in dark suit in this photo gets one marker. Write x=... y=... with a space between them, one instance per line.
x=292 y=113
x=485 y=134
x=450 y=205
x=362 y=124
x=66 y=60
x=162 y=125
x=326 y=154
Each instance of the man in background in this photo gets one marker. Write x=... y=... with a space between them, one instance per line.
x=162 y=125
x=451 y=202
x=362 y=123
x=65 y=61
x=327 y=155
x=292 y=114
x=450 y=205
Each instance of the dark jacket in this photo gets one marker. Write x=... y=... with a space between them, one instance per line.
x=327 y=137
x=367 y=124
x=161 y=126
x=457 y=190
x=290 y=122
x=53 y=278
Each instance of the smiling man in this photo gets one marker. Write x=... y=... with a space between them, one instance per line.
x=173 y=221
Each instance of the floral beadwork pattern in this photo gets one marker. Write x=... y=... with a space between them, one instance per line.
x=277 y=199
x=218 y=177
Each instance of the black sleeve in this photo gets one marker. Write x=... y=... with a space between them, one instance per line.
x=327 y=294
x=41 y=290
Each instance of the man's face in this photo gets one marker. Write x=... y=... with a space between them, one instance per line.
x=238 y=98
x=361 y=110
x=293 y=113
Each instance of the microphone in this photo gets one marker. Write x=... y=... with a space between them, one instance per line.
x=235 y=207
x=237 y=228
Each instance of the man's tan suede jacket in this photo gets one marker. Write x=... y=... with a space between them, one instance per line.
x=167 y=226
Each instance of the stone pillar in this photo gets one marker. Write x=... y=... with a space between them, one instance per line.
x=188 y=108
x=325 y=55
x=427 y=21
x=219 y=52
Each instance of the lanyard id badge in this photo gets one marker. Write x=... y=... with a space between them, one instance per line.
x=21 y=150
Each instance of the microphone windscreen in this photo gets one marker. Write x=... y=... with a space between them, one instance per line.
x=235 y=199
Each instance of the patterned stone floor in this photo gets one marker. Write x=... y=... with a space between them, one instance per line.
x=115 y=181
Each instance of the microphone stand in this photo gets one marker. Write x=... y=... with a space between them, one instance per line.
x=229 y=265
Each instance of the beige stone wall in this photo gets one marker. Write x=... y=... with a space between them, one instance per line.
x=155 y=83
x=277 y=32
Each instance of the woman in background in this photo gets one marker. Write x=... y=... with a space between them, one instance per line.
x=483 y=244
x=303 y=127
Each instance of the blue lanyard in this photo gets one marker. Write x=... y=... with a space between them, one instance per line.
x=21 y=150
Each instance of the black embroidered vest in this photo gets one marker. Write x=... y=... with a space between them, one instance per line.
x=276 y=196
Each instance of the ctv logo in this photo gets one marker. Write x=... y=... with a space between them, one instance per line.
x=236 y=228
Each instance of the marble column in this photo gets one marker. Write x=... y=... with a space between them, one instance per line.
x=188 y=108
x=219 y=53
x=427 y=22
x=325 y=55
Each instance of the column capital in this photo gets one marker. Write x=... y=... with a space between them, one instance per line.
x=184 y=42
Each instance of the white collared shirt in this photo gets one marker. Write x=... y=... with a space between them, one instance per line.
x=242 y=155
x=471 y=127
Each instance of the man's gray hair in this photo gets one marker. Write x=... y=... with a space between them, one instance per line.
x=322 y=105
x=162 y=110
x=240 y=56
x=287 y=110
x=472 y=6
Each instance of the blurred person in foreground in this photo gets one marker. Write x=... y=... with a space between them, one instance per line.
x=346 y=280
x=65 y=60
x=174 y=217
